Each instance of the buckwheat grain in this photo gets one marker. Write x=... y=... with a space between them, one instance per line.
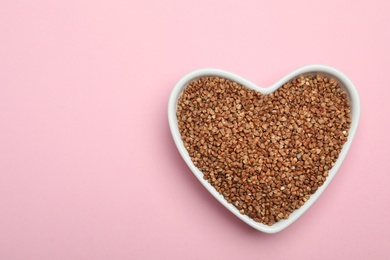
x=266 y=154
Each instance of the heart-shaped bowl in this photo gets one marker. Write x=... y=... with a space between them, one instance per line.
x=345 y=84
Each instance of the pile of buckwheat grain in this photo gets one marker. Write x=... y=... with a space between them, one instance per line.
x=266 y=154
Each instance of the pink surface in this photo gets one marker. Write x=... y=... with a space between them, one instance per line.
x=88 y=167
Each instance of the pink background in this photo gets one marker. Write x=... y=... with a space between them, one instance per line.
x=88 y=167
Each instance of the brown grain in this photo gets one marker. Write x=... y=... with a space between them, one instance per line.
x=266 y=154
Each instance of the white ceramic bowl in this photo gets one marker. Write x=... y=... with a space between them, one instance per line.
x=345 y=84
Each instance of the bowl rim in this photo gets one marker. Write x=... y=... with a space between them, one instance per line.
x=345 y=83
